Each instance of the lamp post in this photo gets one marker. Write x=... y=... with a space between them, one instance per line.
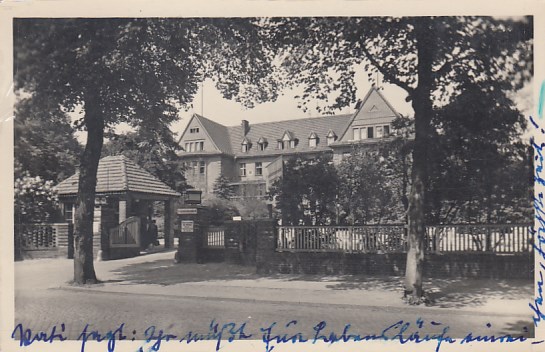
x=192 y=196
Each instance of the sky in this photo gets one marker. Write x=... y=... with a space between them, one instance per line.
x=230 y=113
x=213 y=106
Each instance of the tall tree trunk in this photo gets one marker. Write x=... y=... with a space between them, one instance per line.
x=422 y=106
x=84 y=271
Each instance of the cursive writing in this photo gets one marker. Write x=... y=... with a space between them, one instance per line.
x=273 y=335
x=26 y=337
x=111 y=336
x=227 y=332
x=539 y=232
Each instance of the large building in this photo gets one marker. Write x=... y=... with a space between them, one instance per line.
x=251 y=156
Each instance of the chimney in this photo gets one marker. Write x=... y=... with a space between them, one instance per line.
x=245 y=127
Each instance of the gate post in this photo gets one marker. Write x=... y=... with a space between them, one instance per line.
x=189 y=227
x=265 y=246
x=233 y=235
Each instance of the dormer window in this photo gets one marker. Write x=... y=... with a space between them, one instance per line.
x=262 y=144
x=246 y=145
x=287 y=141
x=331 y=137
x=313 y=140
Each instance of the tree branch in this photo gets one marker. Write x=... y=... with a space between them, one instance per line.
x=385 y=73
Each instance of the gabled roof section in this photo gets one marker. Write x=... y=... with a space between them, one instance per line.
x=375 y=105
x=331 y=133
x=374 y=109
x=218 y=133
x=313 y=135
x=117 y=174
x=287 y=136
x=262 y=140
x=298 y=128
x=246 y=140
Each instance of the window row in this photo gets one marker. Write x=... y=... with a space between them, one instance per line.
x=195 y=167
x=194 y=146
x=194 y=130
x=285 y=143
x=369 y=132
x=258 y=169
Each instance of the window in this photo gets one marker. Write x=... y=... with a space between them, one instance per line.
x=186 y=147
x=356 y=134
x=370 y=132
x=201 y=167
x=262 y=146
x=199 y=146
x=68 y=212
x=292 y=144
x=379 y=130
x=386 y=130
x=246 y=145
x=194 y=167
x=280 y=145
x=260 y=190
x=331 y=137
x=242 y=169
x=258 y=169
x=312 y=142
x=191 y=146
x=194 y=130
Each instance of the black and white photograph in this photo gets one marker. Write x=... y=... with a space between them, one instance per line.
x=207 y=181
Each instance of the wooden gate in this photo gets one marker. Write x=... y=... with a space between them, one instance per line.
x=126 y=234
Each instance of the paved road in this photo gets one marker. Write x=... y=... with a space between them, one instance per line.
x=150 y=290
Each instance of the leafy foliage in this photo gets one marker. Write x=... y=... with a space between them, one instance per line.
x=44 y=145
x=220 y=210
x=371 y=185
x=306 y=192
x=252 y=208
x=155 y=152
x=480 y=169
x=35 y=200
x=223 y=188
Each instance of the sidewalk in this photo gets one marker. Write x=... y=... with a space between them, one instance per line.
x=156 y=274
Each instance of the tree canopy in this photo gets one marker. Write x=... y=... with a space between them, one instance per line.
x=431 y=58
x=44 y=145
x=134 y=71
x=306 y=192
x=155 y=152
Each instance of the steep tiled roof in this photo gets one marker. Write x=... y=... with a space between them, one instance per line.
x=218 y=133
x=299 y=129
x=119 y=174
x=374 y=109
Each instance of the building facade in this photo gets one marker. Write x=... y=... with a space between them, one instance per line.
x=252 y=156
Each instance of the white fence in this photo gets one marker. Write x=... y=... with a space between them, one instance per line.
x=498 y=238
x=215 y=237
